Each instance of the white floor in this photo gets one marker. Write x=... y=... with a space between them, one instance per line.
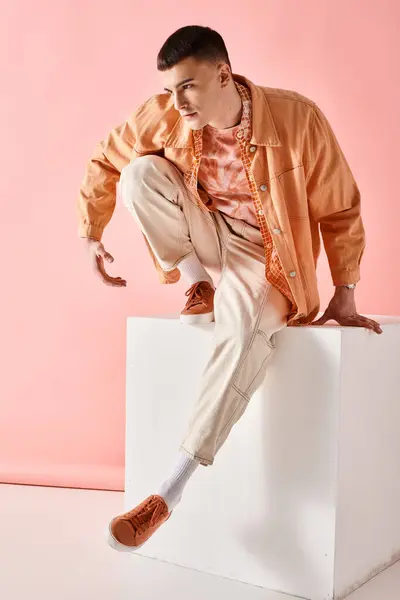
x=52 y=546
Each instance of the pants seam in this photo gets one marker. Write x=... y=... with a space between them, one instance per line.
x=266 y=338
x=220 y=287
x=241 y=399
x=243 y=395
x=180 y=231
x=221 y=248
x=188 y=195
x=178 y=260
x=258 y=372
x=174 y=200
x=196 y=456
x=240 y=365
x=224 y=244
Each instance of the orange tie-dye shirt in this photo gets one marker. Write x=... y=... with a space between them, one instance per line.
x=223 y=177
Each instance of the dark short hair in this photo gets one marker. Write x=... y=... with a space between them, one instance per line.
x=202 y=43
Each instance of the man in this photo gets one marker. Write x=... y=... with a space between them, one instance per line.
x=232 y=181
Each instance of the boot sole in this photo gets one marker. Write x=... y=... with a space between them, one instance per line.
x=115 y=545
x=197 y=319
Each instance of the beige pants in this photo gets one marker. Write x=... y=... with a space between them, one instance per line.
x=248 y=310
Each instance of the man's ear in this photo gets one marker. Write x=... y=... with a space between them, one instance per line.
x=225 y=75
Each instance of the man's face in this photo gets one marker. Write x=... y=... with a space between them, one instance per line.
x=196 y=88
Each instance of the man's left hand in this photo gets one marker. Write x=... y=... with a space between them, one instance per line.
x=342 y=309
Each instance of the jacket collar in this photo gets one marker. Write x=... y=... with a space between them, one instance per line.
x=264 y=132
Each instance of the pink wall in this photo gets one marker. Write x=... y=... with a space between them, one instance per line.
x=72 y=70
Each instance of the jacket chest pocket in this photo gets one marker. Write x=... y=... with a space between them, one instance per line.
x=292 y=189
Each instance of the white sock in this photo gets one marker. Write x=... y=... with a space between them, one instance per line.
x=172 y=488
x=192 y=269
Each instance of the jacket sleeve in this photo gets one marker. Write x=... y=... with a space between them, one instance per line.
x=97 y=194
x=334 y=202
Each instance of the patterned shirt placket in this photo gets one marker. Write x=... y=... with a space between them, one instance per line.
x=273 y=269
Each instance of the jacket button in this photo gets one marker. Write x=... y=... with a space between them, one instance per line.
x=253 y=148
x=277 y=231
x=292 y=274
x=263 y=187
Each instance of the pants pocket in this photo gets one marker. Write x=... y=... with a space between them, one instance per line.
x=252 y=370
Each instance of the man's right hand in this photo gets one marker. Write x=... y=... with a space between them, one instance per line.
x=98 y=254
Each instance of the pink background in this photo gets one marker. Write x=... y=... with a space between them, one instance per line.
x=70 y=72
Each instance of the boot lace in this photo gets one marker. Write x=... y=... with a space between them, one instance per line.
x=148 y=515
x=199 y=293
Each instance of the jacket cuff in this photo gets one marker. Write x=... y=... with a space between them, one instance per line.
x=345 y=276
x=90 y=231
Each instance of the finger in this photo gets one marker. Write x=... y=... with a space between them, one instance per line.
x=374 y=325
x=107 y=279
x=362 y=318
x=112 y=281
x=359 y=321
x=99 y=261
x=101 y=251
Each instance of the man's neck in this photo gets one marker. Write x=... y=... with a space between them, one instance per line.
x=231 y=112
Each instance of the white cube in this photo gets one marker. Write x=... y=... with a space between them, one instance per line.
x=304 y=496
